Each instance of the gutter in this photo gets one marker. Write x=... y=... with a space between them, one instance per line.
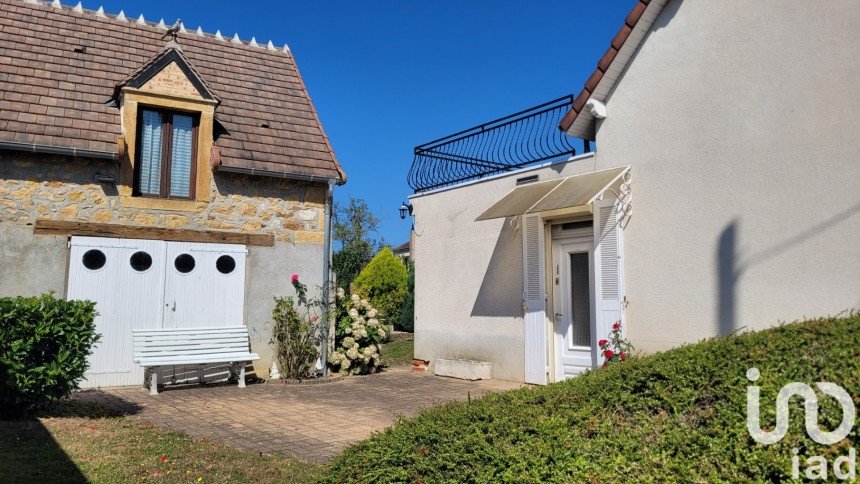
x=57 y=150
x=276 y=174
x=326 y=287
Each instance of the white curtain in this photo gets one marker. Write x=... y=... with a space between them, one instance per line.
x=150 y=153
x=180 y=161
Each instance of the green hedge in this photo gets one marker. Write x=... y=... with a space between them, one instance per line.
x=44 y=343
x=678 y=415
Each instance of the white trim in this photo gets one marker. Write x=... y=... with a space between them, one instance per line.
x=502 y=175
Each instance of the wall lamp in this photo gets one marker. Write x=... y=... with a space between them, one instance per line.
x=404 y=209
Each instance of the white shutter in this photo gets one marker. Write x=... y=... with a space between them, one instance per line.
x=608 y=268
x=534 y=300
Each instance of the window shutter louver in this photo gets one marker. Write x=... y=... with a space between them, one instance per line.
x=609 y=275
x=534 y=300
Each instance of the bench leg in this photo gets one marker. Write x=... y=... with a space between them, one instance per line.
x=242 y=375
x=200 y=375
x=153 y=381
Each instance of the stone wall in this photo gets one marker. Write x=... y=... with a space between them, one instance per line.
x=46 y=187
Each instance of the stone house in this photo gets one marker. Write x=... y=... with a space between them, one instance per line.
x=721 y=195
x=178 y=181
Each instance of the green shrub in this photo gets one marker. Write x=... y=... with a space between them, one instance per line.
x=407 y=314
x=295 y=332
x=383 y=283
x=44 y=344
x=674 y=416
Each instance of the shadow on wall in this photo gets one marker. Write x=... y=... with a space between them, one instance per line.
x=501 y=292
x=730 y=265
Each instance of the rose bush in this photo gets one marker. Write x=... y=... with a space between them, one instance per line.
x=357 y=336
x=616 y=347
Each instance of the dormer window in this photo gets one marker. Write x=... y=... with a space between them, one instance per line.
x=167 y=154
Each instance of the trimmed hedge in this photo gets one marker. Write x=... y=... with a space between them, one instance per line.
x=44 y=343
x=678 y=415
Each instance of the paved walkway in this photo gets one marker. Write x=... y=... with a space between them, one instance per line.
x=311 y=422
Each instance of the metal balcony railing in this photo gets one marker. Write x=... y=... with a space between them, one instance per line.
x=520 y=139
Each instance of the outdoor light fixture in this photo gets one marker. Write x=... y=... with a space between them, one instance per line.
x=404 y=209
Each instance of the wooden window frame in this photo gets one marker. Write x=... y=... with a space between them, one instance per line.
x=166 y=152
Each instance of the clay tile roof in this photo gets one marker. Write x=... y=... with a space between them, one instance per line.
x=52 y=94
x=606 y=62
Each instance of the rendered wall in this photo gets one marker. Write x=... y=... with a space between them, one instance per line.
x=742 y=123
x=469 y=275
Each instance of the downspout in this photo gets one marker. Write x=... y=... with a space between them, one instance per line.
x=329 y=201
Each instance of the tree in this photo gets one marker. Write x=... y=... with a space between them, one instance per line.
x=383 y=283
x=354 y=225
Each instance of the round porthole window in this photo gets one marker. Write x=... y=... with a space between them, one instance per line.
x=140 y=261
x=184 y=263
x=225 y=264
x=94 y=259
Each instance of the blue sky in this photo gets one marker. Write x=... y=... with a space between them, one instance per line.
x=388 y=75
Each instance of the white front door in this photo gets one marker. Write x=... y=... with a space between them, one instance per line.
x=205 y=285
x=573 y=301
x=150 y=284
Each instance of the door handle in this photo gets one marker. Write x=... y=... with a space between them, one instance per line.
x=174 y=306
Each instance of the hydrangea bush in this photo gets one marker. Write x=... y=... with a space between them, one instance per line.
x=357 y=336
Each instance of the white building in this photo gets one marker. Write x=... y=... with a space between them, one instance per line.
x=722 y=196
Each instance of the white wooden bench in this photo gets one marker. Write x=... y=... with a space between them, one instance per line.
x=191 y=346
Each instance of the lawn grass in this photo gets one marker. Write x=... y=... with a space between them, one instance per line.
x=78 y=442
x=674 y=416
x=398 y=352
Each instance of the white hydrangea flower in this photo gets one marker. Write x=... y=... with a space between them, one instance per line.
x=348 y=342
x=348 y=330
x=353 y=313
x=352 y=353
x=345 y=364
x=340 y=292
x=372 y=313
x=373 y=323
x=370 y=350
x=355 y=298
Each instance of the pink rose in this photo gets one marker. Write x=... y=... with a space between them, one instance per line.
x=313 y=319
x=295 y=278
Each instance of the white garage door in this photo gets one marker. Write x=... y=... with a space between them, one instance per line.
x=148 y=284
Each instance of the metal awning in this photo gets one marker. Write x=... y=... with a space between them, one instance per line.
x=571 y=194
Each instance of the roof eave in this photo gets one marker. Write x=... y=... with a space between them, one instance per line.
x=578 y=121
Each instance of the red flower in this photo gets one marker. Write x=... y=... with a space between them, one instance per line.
x=313 y=319
x=602 y=343
x=295 y=278
x=608 y=354
x=616 y=325
x=163 y=459
x=623 y=356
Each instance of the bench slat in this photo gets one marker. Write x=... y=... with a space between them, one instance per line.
x=210 y=351
x=227 y=358
x=190 y=330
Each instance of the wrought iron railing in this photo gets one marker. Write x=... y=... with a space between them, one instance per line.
x=514 y=141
